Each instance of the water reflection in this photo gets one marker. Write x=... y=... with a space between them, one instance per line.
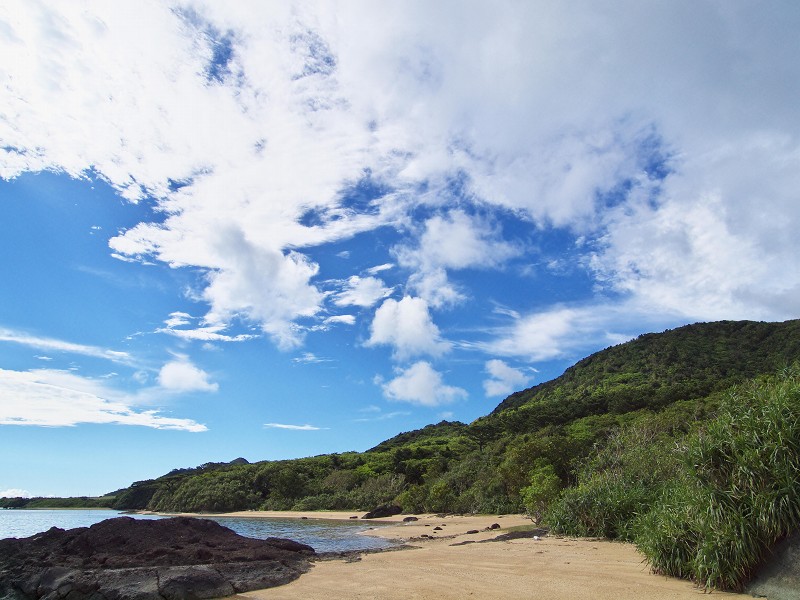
x=320 y=534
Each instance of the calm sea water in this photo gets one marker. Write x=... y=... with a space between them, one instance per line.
x=322 y=535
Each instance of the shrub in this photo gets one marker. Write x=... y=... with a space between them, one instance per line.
x=742 y=493
x=621 y=482
x=544 y=488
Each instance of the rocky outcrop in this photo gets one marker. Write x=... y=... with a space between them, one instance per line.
x=779 y=577
x=383 y=511
x=125 y=558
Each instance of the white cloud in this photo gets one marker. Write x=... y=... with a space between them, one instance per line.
x=459 y=241
x=378 y=268
x=310 y=358
x=181 y=375
x=703 y=257
x=14 y=493
x=203 y=333
x=340 y=319
x=561 y=332
x=421 y=384
x=293 y=427
x=453 y=241
x=49 y=398
x=551 y=113
x=362 y=291
x=503 y=379
x=54 y=345
x=378 y=414
x=407 y=326
x=265 y=286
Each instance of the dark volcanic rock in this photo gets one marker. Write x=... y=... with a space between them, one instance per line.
x=385 y=510
x=134 y=559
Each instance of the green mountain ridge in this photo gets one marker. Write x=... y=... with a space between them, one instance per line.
x=568 y=415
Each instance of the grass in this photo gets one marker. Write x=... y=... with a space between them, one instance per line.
x=741 y=492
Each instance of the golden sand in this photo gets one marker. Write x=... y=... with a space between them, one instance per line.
x=550 y=568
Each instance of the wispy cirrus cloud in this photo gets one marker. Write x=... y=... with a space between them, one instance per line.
x=382 y=416
x=309 y=358
x=50 y=398
x=293 y=427
x=182 y=325
x=56 y=345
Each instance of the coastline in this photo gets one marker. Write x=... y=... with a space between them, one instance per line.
x=452 y=564
x=425 y=524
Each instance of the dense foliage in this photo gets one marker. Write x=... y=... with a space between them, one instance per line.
x=519 y=457
x=740 y=493
x=78 y=502
x=705 y=503
x=625 y=444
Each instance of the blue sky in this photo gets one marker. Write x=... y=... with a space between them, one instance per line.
x=274 y=230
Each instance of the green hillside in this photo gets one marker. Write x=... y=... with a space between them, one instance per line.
x=673 y=378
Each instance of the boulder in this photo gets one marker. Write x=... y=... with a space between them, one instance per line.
x=383 y=511
x=410 y=519
x=135 y=559
x=779 y=577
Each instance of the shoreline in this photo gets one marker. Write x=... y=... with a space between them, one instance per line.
x=395 y=527
x=463 y=559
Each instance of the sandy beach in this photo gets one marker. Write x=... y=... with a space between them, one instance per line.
x=443 y=567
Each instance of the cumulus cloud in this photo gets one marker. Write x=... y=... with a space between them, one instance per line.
x=406 y=325
x=704 y=257
x=452 y=241
x=181 y=375
x=49 y=398
x=362 y=291
x=503 y=379
x=421 y=384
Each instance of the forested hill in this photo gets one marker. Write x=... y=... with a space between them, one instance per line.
x=668 y=381
x=655 y=370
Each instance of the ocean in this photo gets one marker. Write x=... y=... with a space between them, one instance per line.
x=322 y=535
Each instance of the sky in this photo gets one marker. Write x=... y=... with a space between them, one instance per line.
x=282 y=229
